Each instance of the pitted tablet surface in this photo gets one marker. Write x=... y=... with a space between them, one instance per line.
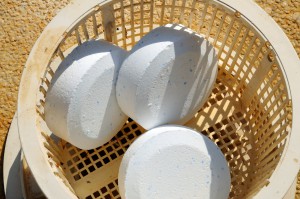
x=173 y=162
x=166 y=77
x=81 y=105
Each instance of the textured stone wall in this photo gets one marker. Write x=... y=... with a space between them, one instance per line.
x=22 y=21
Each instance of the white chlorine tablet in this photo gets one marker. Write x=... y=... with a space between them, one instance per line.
x=173 y=162
x=166 y=77
x=81 y=105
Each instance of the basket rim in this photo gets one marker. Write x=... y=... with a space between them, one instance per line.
x=12 y=169
x=288 y=167
x=286 y=170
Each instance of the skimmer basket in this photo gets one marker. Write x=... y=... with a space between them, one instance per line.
x=250 y=113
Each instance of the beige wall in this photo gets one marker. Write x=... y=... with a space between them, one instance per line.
x=22 y=21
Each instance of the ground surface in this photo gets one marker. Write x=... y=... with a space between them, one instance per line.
x=22 y=21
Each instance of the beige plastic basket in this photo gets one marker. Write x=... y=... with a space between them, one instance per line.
x=249 y=114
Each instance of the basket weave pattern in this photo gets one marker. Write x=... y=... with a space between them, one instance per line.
x=248 y=114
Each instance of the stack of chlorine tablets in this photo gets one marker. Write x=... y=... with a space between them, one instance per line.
x=161 y=83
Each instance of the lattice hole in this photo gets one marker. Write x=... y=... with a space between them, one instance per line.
x=107 y=192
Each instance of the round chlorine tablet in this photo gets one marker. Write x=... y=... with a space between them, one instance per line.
x=81 y=105
x=173 y=162
x=166 y=77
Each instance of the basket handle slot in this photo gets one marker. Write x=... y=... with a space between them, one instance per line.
x=257 y=79
x=108 y=19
